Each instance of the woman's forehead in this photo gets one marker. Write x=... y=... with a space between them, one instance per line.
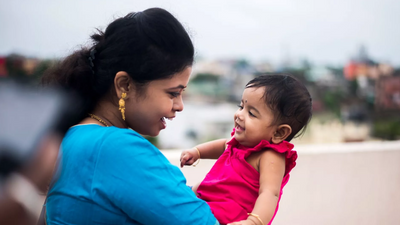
x=178 y=80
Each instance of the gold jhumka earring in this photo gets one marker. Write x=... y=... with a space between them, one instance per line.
x=122 y=105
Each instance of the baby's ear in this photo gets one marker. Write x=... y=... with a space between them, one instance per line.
x=281 y=133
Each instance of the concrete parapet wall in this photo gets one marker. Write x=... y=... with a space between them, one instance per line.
x=347 y=184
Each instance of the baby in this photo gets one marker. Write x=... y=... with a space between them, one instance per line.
x=246 y=182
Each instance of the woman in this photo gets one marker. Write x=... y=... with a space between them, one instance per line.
x=132 y=77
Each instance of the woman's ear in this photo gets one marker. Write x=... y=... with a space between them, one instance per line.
x=122 y=83
x=281 y=133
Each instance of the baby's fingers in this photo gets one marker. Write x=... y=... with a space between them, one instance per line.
x=185 y=159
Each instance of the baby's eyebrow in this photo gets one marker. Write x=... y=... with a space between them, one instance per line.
x=253 y=108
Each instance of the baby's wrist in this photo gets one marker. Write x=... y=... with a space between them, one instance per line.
x=197 y=152
x=197 y=159
x=253 y=222
x=255 y=219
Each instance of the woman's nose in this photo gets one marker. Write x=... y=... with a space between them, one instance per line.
x=178 y=105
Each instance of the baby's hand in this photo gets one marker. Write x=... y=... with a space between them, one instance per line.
x=243 y=222
x=188 y=157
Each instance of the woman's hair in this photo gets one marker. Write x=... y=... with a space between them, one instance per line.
x=148 y=45
x=288 y=98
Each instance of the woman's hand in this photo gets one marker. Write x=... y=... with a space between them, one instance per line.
x=188 y=157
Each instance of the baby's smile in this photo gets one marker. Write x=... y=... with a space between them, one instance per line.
x=239 y=128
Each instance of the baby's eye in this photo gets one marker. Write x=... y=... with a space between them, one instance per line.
x=240 y=107
x=251 y=114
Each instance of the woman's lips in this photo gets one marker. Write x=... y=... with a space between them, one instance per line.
x=163 y=123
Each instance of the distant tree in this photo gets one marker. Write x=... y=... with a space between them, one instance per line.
x=241 y=64
x=305 y=64
x=387 y=128
x=353 y=88
x=332 y=100
x=206 y=77
x=299 y=73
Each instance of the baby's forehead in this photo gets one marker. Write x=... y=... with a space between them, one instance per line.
x=254 y=93
x=254 y=96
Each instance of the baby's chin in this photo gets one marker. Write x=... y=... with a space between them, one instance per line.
x=246 y=143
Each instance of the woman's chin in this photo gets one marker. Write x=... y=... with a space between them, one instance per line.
x=154 y=133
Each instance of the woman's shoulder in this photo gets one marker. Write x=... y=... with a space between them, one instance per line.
x=106 y=137
x=126 y=137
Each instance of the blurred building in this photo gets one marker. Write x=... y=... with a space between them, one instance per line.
x=18 y=65
x=387 y=93
x=362 y=66
x=221 y=80
x=29 y=65
x=3 y=68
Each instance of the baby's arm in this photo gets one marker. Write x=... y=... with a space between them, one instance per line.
x=208 y=150
x=272 y=170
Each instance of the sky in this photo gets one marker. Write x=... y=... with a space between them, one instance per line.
x=324 y=31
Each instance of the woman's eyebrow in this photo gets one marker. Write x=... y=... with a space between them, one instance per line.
x=178 y=87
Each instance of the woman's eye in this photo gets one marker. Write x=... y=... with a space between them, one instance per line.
x=174 y=94
x=240 y=107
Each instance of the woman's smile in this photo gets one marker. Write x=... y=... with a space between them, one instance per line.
x=164 y=123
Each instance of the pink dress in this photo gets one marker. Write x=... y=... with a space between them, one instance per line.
x=231 y=187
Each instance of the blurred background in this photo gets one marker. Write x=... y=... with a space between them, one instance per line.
x=347 y=53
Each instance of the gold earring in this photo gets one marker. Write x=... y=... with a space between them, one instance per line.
x=122 y=105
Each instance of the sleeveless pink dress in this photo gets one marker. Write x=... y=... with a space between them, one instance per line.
x=231 y=187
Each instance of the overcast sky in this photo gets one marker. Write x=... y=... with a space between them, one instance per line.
x=324 y=31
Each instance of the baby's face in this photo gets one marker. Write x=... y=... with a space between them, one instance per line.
x=253 y=119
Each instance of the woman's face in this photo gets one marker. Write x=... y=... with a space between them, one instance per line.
x=146 y=113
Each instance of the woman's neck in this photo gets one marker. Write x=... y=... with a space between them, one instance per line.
x=107 y=112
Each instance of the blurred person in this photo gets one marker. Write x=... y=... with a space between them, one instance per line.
x=245 y=184
x=131 y=80
x=32 y=124
x=20 y=200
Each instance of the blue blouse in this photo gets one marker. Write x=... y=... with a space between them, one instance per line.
x=110 y=175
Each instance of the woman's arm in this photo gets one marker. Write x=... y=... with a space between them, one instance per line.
x=208 y=150
x=135 y=177
x=272 y=170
